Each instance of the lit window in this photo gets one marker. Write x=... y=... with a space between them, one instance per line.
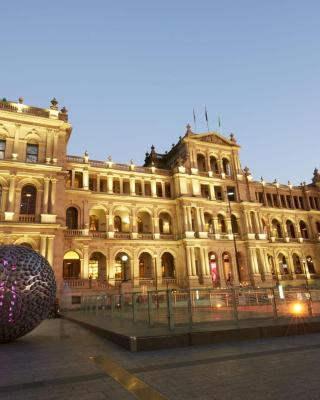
x=32 y=153
x=2 y=149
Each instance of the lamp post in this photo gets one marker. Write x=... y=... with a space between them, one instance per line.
x=233 y=235
x=124 y=259
x=28 y=195
x=156 y=277
x=305 y=273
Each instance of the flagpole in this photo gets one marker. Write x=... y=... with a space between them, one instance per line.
x=206 y=116
x=194 y=121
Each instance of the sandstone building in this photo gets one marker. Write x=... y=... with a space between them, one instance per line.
x=191 y=217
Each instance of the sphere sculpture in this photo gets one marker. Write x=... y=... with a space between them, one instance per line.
x=27 y=290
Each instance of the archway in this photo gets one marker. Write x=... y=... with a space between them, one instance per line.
x=144 y=222
x=304 y=230
x=208 y=223
x=283 y=264
x=71 y=265
x=97 y=266
x=226 y=166
x=310 y=265
x=222 y=224
x=122 y=267
x=297 y=264
x=227 y=268
x=201 y=163
x=145 y=265
x=213 y=265
x=290 y=229
x=97 y=218
x=165 y=224
x=214 y=165
x=167 y=265
x=234 y=224
x=276 y=229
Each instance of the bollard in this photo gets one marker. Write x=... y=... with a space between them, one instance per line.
x=133 y=344
x=150 y=308
x=134 y=307
x=189 y=309
x=113 y=305
x=234 y=304
x=170 y=310
x=274 y=304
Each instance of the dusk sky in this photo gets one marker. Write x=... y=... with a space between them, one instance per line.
x=131 y=72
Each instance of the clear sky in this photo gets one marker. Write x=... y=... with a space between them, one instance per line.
x=130 y=73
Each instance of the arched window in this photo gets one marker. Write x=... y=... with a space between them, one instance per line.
x=146 y=270
x=271 y=265
x=97 y=266
x=72 y=218
x=318 y=226
x=310 y=265
x=226 y=166
x=28 y=200
x=214 y=165
x=117 y=224
x=290 y=229
x=209 y=223
x=201 y=162
x=304 y=230
x=122 y=267
x=167 y=265
x=25 y=244
x=234 y=224
x=297 y=264
x=276 y=229
x=283 y=265
x=71 y=265
x=222 y=224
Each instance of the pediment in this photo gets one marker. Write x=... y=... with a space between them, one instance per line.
x=215 y=138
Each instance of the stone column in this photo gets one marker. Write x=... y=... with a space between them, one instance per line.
x=111 y=224
x=132 y=186
x=43 y=245
x=50 y=249
x=73 y=175
x=212 y=193
x=189 y=266
x=45 y=196
x=98 y=183
x=85 y=262
x=53 y=195
x=153 y=188
x=110 y=184
x=11 y=197
x=193 y=262
x=85 y=180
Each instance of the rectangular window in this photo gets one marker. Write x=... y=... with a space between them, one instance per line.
x=231 y=192
x=301 y=202
x=32 y=153
x=269 y=200
x=296 y=203
x=205 y=191
x=2 y=149
x=283 y=201
x=275 y=200
x=218 y=192
x=289 y=201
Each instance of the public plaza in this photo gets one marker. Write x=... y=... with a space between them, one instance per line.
x=159 y=200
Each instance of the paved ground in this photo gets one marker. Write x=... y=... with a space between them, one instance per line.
x=55 y=362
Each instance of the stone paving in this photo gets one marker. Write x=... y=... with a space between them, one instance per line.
x=53 y=362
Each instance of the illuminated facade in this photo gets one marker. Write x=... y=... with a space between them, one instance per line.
x=191 y=217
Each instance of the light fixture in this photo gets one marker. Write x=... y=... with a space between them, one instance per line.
x=124 y=257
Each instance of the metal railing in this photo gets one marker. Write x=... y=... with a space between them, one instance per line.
x=191 y=306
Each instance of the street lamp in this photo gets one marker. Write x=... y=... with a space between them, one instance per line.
x=28 y=195
x=305 y=273
x=124 y=259
x=233 y=235
x=156 y=277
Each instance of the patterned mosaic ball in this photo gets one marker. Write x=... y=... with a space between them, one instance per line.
x=27 y=290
